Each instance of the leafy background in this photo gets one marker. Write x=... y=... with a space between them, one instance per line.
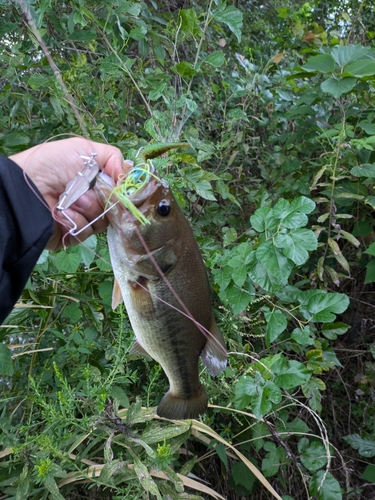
x=276 y=100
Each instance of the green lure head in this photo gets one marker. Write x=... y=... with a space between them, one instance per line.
x=130 y=185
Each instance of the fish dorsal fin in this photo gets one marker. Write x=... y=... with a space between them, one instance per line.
x=116 y=295
x=136 y=348
x=214 y=354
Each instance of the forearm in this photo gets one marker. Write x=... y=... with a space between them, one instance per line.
x=25 y=227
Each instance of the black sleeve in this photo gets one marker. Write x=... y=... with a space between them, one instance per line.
x=25 y=227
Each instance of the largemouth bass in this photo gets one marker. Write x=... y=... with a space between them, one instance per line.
x=162 y=332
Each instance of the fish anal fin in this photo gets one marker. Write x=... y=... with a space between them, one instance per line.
x=214 y=354
x=136 y=348
x=116 y=295
x=177 y=407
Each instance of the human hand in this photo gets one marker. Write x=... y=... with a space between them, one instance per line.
x=52 y=165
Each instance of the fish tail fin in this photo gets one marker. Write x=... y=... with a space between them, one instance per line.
x=177 y=407
x=214 y=354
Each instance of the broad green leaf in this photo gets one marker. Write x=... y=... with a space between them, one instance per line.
x=87 y=250
x=324 y=486
x=364 y=445
x=243 y=390
x=276 y=324
x=189 y=22
x=216 y=58
x=274 y=261
x=138 y=33
x=232 y=17
x=267 y=395
x=222 y=277
x=273 y=459
x=313 y=455
x=338 y=87
x=185 y=70
x=296 y=244
x=104 y=260
x=303 y=204
x=331 y=330
x=370 y=250
x=362 y=67
x=364 y=170
x=105 y=291
x=238 y=298
x=67 y=260
x=322 y=306
x=73 y=312
x=6 y=365
x=243 y=476
x=261 y=276
x=263 y=219
x=24 y=484
x=368 y=127
x=118 y=393
x=221 y=452
x=368 y=473
x=15 y=140
x=324 y=63
x=290 y=374
x=345 y=54
x=312 y=390
x=303 y=337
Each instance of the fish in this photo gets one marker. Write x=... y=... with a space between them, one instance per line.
x=157 y=264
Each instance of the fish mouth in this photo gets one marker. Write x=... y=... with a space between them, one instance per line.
x=126 y=186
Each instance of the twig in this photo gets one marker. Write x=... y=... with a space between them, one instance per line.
x=34 y=30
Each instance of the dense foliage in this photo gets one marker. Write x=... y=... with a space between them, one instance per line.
x=276 y=100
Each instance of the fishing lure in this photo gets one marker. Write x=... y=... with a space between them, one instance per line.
x=139 y=175
x=127 y=186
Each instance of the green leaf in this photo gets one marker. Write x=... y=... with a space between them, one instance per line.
x=331 y=330
x=290 y=373
x=238 y=298
x=303 y=204
x=118 y=393
x=292 y=215
x=362 y=67
x=73 y=312
x=185 y=70
x=312 y=390
x=262 y=402
x=274 y=261
x=189 y=22
x=87 y=250
x=370 y=250
x=67 y=260
x=303 y=337
x=273 y=459
x=325 y=487
x=338 y=87
x=322 y=306
x=243 y=476
x=324 y=63
x=138 y=33
x=276 y=324
x=345 y=54
x=243 y=390
x=368 y=473
x=157 y=433
x=221 y=452
x=296 y=244
x=368 y=127
x=216 y=58
x=364 y=170
x=6 y=365
x=365 y=446
x=15 y=140
x=263 y=219
x=104 y=260
x=145 y=478
x=232 y=17
x=313 y=455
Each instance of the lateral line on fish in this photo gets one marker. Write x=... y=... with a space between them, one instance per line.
x=187 y=313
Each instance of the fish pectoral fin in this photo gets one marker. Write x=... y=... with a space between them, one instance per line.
x=116 y=295
x=214 y=354
x=136 y=348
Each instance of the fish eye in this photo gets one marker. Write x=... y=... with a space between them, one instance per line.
x=164 y=208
